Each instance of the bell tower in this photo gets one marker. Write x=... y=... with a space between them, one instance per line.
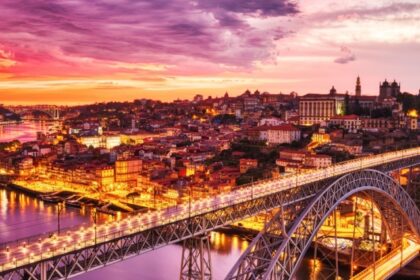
x=358 y=87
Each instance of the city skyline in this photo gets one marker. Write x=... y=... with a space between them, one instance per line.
x=71 y=52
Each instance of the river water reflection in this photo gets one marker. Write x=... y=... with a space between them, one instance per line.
x=26 y=131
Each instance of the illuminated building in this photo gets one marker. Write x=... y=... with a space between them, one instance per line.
x=412 y=119
x=101 y=141
x=316 y=108
x=112 y=141
x=188 y=170
x=25 y=166
x=127 y=170
x=105 y=176
x=171 y=194
x=412 y=113
x=91 y=141
x=321 y=137
x=247 y=163
x=412 y=123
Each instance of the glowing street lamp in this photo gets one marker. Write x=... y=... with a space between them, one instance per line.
x=60 y=207
x=95 y=218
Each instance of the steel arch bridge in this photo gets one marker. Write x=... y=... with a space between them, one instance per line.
x=52 y=111
x=79 y=251
x=278 y=250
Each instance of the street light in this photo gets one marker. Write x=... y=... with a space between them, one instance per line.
x=189 y=202
x=95 y=217
x=60 y=207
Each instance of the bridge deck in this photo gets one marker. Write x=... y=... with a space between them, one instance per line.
x=16 y=255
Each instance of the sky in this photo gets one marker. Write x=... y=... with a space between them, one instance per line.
x=84 y=51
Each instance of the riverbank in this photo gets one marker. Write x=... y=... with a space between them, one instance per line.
x=76 y=199
x=11 y=122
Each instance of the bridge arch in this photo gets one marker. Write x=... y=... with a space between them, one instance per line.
x=270 y=257
x=52 y=113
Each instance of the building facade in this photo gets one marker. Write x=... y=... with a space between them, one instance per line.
x=388 y=90
x=350 y=123
x=316 y=108
x=284 y=133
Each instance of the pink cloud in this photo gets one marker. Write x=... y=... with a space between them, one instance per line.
x=168 y=32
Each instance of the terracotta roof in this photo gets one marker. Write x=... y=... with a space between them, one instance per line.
x=284 y=127
x=301 y=152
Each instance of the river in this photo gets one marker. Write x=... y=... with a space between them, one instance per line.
x=26 y=131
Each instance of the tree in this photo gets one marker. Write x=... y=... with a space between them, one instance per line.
x=347 y=109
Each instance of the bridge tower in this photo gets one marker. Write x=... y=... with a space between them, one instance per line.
x=55 y=113
x=196 y=261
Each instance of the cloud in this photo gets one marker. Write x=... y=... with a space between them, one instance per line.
x=363 y=12
x=139 y=31
x=6 y=58
x=346 y=56
x=252 y=7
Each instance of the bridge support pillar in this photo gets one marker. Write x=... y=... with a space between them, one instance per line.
x=413 y=186
x=196 y=262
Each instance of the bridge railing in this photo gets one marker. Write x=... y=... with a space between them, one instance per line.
x=110 y=231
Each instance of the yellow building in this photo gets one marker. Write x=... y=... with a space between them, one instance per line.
x=321 y=138
x=105 y=177
x=127 y=170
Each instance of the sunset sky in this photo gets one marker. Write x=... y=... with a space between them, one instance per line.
x=74 y=51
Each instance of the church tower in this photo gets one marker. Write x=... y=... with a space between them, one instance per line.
x=358 y=87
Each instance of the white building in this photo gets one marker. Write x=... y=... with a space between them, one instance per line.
x=318 y=161
x=351 y=123
x=284 y=133
x=101 y=141
x=270 y=121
